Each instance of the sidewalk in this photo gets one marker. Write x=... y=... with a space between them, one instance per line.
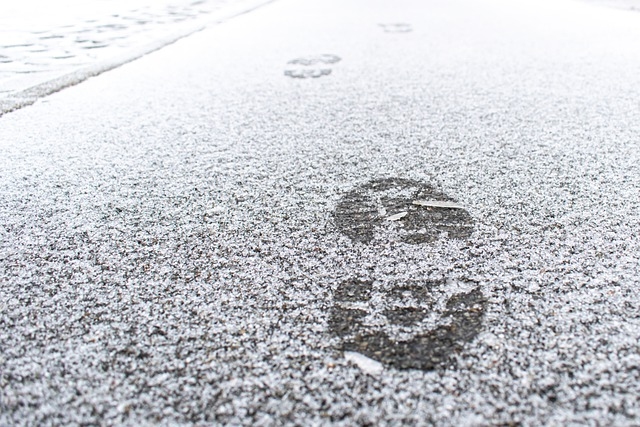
x=333 y=213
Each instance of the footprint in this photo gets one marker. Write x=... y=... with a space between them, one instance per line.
x=400 y=27
x=416 y=325
x=367 y=213
x=315 y=60
x=305 y=74
x=303 y=66
x=411 y=326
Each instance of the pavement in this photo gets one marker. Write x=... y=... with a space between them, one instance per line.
x=333 y=213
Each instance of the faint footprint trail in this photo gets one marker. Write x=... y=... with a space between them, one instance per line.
x=399 y=27
x=311 y=66
x=415 y=325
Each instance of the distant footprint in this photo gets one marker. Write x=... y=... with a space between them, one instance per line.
x=396 y=28
x=307 y=74
x=411 y=325
x=311 y=66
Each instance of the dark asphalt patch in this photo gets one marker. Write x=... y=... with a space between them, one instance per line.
x=405 y=327
x=371 y=209
x=312 y=66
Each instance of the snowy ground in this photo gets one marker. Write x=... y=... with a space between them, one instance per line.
x=333 y=213
x=42 y=42
x=621 y=4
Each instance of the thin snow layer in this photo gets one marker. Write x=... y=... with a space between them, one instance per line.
x=168 y=246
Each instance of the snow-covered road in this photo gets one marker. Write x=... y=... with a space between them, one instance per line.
x=330 y=212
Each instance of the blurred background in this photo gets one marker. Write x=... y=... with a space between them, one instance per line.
x=624 y=4
x=41 y=38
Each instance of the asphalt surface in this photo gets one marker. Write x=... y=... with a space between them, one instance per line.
x=329 y=212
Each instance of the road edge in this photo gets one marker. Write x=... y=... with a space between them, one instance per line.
x=25 y=97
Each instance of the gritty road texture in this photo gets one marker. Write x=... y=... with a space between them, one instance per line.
x=196 y=238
